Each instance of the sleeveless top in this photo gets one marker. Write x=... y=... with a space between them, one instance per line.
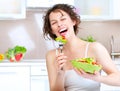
x=74 y=82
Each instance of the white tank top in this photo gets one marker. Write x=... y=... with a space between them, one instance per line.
x=74 y=82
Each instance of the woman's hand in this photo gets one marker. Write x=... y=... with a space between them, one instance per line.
x=95 y=76
x=60 y=61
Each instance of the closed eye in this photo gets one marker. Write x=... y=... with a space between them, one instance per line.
x=63 y=19
x=52 y=23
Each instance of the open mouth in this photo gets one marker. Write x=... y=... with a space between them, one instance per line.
x=63 y=32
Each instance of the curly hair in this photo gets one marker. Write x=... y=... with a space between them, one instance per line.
x=69 y=9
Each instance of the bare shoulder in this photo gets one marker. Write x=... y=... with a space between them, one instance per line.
x=96 y=46
x=98 y=50
x=50 y=55
x=50 y=52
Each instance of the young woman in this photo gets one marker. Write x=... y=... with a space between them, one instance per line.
x=62 y=20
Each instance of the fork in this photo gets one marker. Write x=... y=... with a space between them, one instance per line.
x=61 y=49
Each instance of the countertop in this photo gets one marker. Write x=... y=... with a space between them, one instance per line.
x=34 y=61
x=23 y=62
x=117 y=62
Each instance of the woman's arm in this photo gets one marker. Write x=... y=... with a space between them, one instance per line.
x=108 y=66
x=102 y=57
x=56 y=76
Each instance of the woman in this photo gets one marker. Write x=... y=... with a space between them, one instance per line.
x=62 y=20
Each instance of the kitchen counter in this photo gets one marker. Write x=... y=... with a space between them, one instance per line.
x=23 y=62
x=35 y=61
x=38 y=71
x=117 y=62
x=30 y=74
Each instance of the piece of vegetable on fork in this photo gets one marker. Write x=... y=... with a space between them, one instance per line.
x=62 y=41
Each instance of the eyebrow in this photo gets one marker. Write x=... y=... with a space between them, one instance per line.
x=55 y=20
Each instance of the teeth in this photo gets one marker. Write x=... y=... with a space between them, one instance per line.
x=62 y=29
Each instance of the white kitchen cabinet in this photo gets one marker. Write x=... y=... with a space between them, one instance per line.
x=47 y=3
x=12 y=9
x=39 y=78
x=27 y=75
x=39 y=83
x=116 y=11
x=14 y=78
x=98 y=9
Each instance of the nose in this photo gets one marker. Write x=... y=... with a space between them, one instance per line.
x=59 y=24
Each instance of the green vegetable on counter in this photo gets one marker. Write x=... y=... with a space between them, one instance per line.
x=16 y=53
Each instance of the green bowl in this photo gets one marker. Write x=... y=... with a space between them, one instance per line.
x=90 y=68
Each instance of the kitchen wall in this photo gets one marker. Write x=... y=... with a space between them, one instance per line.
x=101 y=31
x=28 y=32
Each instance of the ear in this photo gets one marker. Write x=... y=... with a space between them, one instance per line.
x=74 y=22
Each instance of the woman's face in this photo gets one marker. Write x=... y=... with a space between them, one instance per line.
x=61 y=23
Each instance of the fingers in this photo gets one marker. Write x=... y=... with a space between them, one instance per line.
x=79 y=71
x=61 y=63
x=61 y=60
x=95 y=76
x=97 y=73
x=61 y=56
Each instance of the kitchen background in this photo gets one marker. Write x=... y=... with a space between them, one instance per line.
x=21 y=23
x=28 y=32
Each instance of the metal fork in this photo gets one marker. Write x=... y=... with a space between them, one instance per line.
x=61 y=49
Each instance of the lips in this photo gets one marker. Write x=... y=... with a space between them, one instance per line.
x=63 y=31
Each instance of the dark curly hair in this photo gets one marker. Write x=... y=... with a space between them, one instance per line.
x=69 y=9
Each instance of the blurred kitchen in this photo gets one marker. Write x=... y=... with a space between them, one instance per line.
x=24 y=26
x=21 y=24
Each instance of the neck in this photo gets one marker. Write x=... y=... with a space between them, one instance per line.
x=72 y=43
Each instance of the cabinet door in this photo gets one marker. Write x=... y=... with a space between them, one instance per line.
x=47 y=3
x=16 y=9
x=39 y=78
x=39 y=83
x=116 y=7
x=14 y=79
x=98 y=9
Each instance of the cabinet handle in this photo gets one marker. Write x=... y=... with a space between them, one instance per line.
x=43 y=69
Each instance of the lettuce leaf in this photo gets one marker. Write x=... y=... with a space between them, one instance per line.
x=11 y=52
x=20 y=49
x=61 y=39
x=86 y=66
